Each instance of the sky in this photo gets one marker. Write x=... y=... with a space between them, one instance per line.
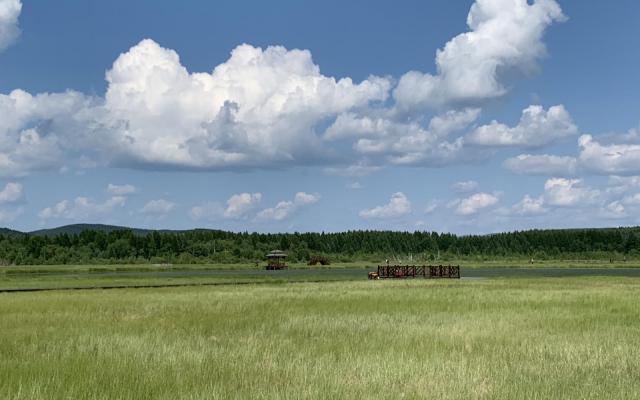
x=468 y=117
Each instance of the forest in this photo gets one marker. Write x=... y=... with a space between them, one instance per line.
x=213 y=246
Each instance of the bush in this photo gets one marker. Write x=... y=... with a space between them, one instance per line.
x=322 y=260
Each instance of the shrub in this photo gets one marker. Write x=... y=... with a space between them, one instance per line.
x=322 y=260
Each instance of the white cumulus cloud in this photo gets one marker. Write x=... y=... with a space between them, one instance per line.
x=405 y=143
x=121 y=190
x=257 y=108
x=46 y=131
x=618 y=185
x=504 y=36
x=269 y=107
x=302 y=198
x=9 y=13
x=609 y=159
x=464 y=186
x=285 y=209
x=431 y=206
x=543 y=164
x=239 y=205
x=82 y=208
x=398 y=206
x=355 y=185
x=158 y=207
x=282 y=210
x=12 y=193
x=563 y=192
x=476 y=202
x=536 y=128
x=614 y=210
x=530 y=206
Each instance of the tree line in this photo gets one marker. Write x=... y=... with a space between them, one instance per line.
x=211 y=246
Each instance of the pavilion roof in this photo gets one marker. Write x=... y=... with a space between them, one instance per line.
x=277 y=253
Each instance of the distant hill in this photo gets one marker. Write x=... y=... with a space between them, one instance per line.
x=78 y=228
x=75 y=229
x=10 y=232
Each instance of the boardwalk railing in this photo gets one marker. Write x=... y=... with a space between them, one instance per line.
x=413 y=271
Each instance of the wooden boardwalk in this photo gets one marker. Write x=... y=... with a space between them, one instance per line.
x=415 y=271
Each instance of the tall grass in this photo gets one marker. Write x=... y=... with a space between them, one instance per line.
x=493 y=339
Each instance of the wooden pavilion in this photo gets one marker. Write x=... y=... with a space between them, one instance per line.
x=276 y=260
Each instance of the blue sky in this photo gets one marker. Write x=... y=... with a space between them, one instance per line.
x=466 y=117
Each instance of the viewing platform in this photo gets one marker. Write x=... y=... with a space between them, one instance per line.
x=415 y=271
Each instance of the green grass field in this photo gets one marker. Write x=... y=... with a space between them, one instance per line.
x=87 y=276
x=513 y=338
x=507 y=263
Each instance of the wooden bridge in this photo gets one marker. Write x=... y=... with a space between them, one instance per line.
x=413 y=271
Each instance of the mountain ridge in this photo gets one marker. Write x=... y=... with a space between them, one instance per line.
x=9 y=232
x=74 y=229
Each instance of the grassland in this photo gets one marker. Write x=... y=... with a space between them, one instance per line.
x=84 y=276
x=514 y=338
x=506 y=263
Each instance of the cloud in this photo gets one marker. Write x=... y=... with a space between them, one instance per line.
x=630 y=137
x=609 y=159
x=282 y=210
x=563 y=192
x=258 y=109
x=566 y=193
x=353 y=125
x=530 y=206
x=239 y=205
x=121 y=190
x=9 y=13
x=158 y=207
x=47 y=131
x=471 y=205
x=209 y=211
x=269 y=107
x=82 y=208
x=536 y=128
x=12 y=193
x=353 y=171
x=464 y=186
x=613 y=210
x=505 y=36
x=302 y=198
x=632 y=200
x=285 y=209
x=431 y=206
x=452 y=203
x=7 y=216
x=618 y=185
x=544 y=164
x=405 y=143
x=398 y=206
